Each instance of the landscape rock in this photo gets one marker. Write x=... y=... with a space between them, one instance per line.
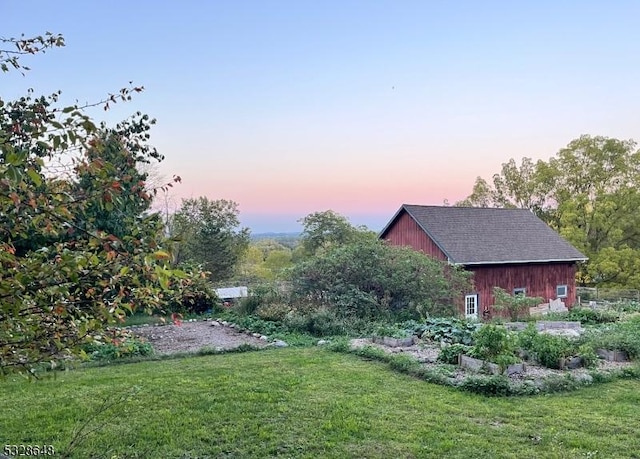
x=322 y=342
x=215 y=323
x=280 y=343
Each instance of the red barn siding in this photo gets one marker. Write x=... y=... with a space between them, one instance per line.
x=406 y=232
x=539 y=280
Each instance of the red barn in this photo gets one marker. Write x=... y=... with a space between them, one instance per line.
x=508 y=248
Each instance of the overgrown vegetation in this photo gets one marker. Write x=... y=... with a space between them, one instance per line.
x=78 y=247
x=373 y=280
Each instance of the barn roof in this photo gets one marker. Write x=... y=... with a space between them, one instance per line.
x=481 y=235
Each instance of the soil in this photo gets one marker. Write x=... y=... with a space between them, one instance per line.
x=194 y=336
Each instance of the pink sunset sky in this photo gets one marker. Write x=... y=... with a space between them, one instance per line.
x=292 y=107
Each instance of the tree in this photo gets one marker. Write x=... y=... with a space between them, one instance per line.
x=589 y=192
x=64 y=274
x=371 y=279
x=208 y=233
x=265 y=260
x=322 y=230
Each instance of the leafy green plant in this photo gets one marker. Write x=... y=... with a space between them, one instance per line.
x=588 y=355
x=370 y=279
x=391 y=331
x=622 y=336
x=275 y=312
x=589 y=316
x=191 y=293
x=514 y=305
x=548 y=350
x=492 y=341
x=260 y=295
x=121 y=344
x=495 y=385
x=449 y=354
x=448 y=330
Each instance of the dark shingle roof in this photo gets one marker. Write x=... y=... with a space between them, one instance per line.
x=475 y=235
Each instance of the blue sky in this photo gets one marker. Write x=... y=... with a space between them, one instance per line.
x=291 y=107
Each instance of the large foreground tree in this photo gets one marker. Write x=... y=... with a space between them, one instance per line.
x=77 y=250
x=590 y=193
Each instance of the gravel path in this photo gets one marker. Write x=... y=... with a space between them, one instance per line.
x=193 y=336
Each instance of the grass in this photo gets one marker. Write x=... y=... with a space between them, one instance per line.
x=307 y=403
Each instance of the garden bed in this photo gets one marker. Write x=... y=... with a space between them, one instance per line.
x=426 y=353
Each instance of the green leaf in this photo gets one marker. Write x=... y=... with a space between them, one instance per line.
x=35 y=177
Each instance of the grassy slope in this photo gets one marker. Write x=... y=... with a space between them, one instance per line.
x=311 y=403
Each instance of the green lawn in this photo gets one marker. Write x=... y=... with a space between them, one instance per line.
x=309 y=403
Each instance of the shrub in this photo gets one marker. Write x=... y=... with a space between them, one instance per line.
x=514 y=305
x=556 y=383
x=622 y=336
x=192 y=294
x=588 y=355
x=497 y=385
x=450 y=330
x=404 y=363
x=392 y=331
x=492 y=341
x=589 y=316
x=450 y=353
x=118 y=343
x=275 y=312
x=258 y=325
x=260 y=295
x=371 y=279
x=319 y=323
x=549 y=349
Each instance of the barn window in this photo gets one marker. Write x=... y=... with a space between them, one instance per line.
x=561 y=291
x=520 y=291
x=471 y=306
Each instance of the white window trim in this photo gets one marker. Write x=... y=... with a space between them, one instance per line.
x=475 y=304
x=566 y=291
x=520 y=290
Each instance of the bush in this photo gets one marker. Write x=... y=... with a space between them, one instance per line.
x=275 y=312
x=514 y=305
x=261 y=295
x=588 y=355
x=492 y=341
x=119 y=343
x=556 y=383
x=450 y=353
x=622 y=336
x=588 y=316
x=404 y=363
x=255 y=324
x=371 y=279
x=450 y=330
x=392 y=331
x=547 y=349
x=319 y=323
x=192 y=294
x=497 y=385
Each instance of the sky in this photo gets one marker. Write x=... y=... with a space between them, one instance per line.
x=294 y=107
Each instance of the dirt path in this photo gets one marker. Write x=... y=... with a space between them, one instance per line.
x=193 y=336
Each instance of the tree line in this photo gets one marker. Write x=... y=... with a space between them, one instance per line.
x=590 y=193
